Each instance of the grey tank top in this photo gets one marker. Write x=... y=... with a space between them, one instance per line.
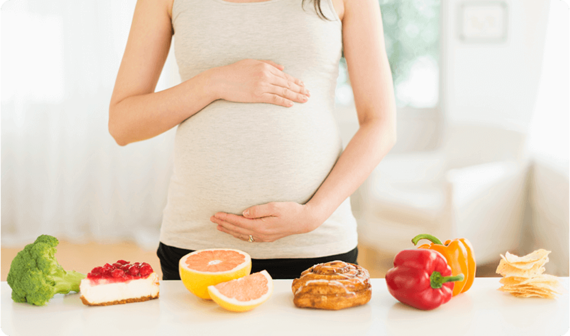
x=230 y=156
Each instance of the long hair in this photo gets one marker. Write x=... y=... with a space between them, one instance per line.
x=318 y=9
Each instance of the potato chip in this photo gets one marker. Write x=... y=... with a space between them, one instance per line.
x=531 y=290
x=542 y=279
x=522 y=276
x=511 y=280
x=506 y=269
x=524 y=264
x=528 y=265
x=543 y=288
x=525 y=295
x=531 y=257
x=528 y=290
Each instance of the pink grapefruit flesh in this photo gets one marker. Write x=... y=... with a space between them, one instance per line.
x=249 y=288
x=243 y=294
x=215 y=261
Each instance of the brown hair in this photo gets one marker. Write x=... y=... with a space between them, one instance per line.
x=318 y=9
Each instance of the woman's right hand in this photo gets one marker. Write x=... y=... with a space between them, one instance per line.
x=259 y=81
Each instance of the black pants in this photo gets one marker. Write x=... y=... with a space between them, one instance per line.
x=286 y=268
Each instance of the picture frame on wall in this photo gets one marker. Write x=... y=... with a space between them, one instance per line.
x=483 y=21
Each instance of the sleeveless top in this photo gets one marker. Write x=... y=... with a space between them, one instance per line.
x=230 y=156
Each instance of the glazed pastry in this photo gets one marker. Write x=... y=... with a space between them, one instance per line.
x=333 y=285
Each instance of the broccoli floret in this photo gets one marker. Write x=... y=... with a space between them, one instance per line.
x=35 y=275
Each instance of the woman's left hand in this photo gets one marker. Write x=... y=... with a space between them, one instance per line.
x=268 y=222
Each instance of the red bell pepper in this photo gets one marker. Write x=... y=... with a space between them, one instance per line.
x=421 y=279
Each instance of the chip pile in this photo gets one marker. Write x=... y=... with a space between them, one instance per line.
x=522 y=276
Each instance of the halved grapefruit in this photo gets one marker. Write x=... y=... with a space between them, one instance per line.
x=204 y=268
x=243 y=294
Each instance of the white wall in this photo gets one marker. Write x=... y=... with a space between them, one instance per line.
x=494 y=82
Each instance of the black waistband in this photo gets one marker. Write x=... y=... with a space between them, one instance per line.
x=279 y=268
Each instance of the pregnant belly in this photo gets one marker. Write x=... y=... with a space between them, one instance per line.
x=230 y=156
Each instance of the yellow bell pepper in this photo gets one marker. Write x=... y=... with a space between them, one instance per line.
x=459 y=255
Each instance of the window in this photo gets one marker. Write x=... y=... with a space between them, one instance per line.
x=411 y=33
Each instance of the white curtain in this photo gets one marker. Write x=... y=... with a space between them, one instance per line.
x=549 y=145
x=548 y=131
x=62 y=173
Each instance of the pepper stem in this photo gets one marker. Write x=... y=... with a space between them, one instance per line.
x=437 y=281
x=429 y=237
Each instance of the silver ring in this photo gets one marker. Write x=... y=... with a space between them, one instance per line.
x=251 y=240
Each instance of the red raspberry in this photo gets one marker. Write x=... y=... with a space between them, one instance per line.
x=96 y=276
x=145 y=270
x=107 y=267
x=118 y=273
x=122 y=262
x=134 y=271
x=97 y=270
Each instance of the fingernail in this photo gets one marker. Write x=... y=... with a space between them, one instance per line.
x=302 y=83
x=246 y=212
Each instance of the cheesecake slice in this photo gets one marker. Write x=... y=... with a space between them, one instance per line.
x=121 y=282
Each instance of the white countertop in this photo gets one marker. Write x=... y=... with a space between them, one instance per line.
x=483 y=310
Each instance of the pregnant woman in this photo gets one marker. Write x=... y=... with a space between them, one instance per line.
x=258 y=160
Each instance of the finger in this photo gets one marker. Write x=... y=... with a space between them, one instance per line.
x=280 y=87
x=297 y=82
x=262 y=210
x=290 y=82
x=279 y=66
x=231 y=227
x=235 y=220
x=289 y=78
x=236 y=235
x=276 y=100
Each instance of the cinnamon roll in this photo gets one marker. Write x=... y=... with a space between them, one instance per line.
x=333 y=285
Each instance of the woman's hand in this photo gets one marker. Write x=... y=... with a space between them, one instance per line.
x=259 y=81
x=268 y=222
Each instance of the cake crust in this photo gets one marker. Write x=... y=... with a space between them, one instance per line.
x=109 y=303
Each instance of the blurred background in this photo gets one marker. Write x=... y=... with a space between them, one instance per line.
x=483 y=100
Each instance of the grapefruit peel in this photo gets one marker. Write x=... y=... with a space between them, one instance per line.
x=197 y=281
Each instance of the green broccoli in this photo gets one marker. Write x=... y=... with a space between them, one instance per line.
x=35 y=275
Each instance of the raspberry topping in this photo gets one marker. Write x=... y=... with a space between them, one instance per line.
x=134 y=271
x=120 y=271
x=145 y=270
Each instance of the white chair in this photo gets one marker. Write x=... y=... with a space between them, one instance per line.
x=473 y=186
x=550 y=203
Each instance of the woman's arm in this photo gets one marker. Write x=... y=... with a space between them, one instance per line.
x=137 y=113
x=371 y=80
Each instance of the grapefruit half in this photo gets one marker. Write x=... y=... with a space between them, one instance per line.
x=204 y=268
x=243 y=294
